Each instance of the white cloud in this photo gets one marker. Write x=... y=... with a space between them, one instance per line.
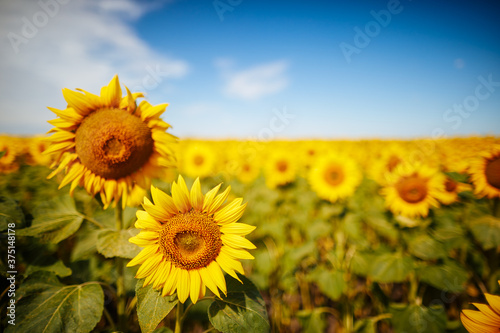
x=52 y=44
x=255 y=82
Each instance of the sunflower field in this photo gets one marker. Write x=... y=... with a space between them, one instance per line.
x=126 y=228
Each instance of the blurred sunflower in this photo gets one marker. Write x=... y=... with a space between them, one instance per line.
x=247 y=171
x=279 y=169
x=335 y=177
x=485 y=173
x=486 y=320
x=9 y=150
x=108 y=144
x=187 y=238
x=412 y=190
x=451 y=190
x=36 y=146
x=197 y=160
x=381 y=166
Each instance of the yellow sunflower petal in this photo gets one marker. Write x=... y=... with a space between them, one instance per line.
x=217 y=276
x=111 y=94
x=209 y=197
x=163 y=200
x=209 y=282
x=160 y=281
x=149 y=265
x=494 y=302
x=230 y=213
x=171 y=282
x=493 y=317
x=229 y=265
x=236 y=253
x=218 y=201
x=237 y=229
x=195 y=280
x=196 y=196
x=180 y=195
x=183 y=285
x=237 y=241
x=143 y=255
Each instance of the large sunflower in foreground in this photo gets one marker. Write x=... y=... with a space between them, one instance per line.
x=486 y=320
x=109 y=144
x=485 y=173
x=187 y=238
x=333 y=177
x=412 y=190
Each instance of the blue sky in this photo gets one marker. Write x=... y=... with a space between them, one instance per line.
x=260 y=69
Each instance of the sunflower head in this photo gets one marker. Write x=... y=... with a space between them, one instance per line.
x=412 y=189
x=280 y=169
x=335 y=177
x=189 y=238
x=485 y=172
x=109 y=144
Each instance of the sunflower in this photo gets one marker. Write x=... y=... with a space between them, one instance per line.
x=451 y=190
x=198 y=160
x=9 y=151
x=109 y=144
x=247 y=171
x=36 y=146
x=487 y=319
x=334 y=177
x=279 y=169
x=485 y=173
x=412 y=190
x=187 y=238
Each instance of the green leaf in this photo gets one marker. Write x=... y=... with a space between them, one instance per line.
x=458 y=177
x=312 y=321
x=486 y=230
x=427 y=248
x=10 y=212
x=391 y=267
x=114 y=243
x=48 y=306
x=57 y=267
x=151 y=306
x=361 y=263
x=449 y=277
x=418 y=319
x=85 y=242
x=331 y=283
x=54 y=221
x=242 y=310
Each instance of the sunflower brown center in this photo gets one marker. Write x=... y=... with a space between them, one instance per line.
x=112 y=143
x=282 y=166
x=412 y=189
x=190 y=240
x=198 y=160
x=492 y=172
x=450 y=185
x=393 y=162
x=246 y=167
x=334 y=175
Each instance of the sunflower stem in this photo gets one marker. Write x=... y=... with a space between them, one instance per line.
x=120 y=279
x=178 y=317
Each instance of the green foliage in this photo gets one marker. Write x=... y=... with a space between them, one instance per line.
x=391 y=267
x=49 y=306
x=312 y=321
x=242 y=310
x=10 y=212
x=152 y=307
x=114 y=243
x=449 y=277
x=486 y=230
x=331 y=282
x=418 y=319
x=54 y=220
